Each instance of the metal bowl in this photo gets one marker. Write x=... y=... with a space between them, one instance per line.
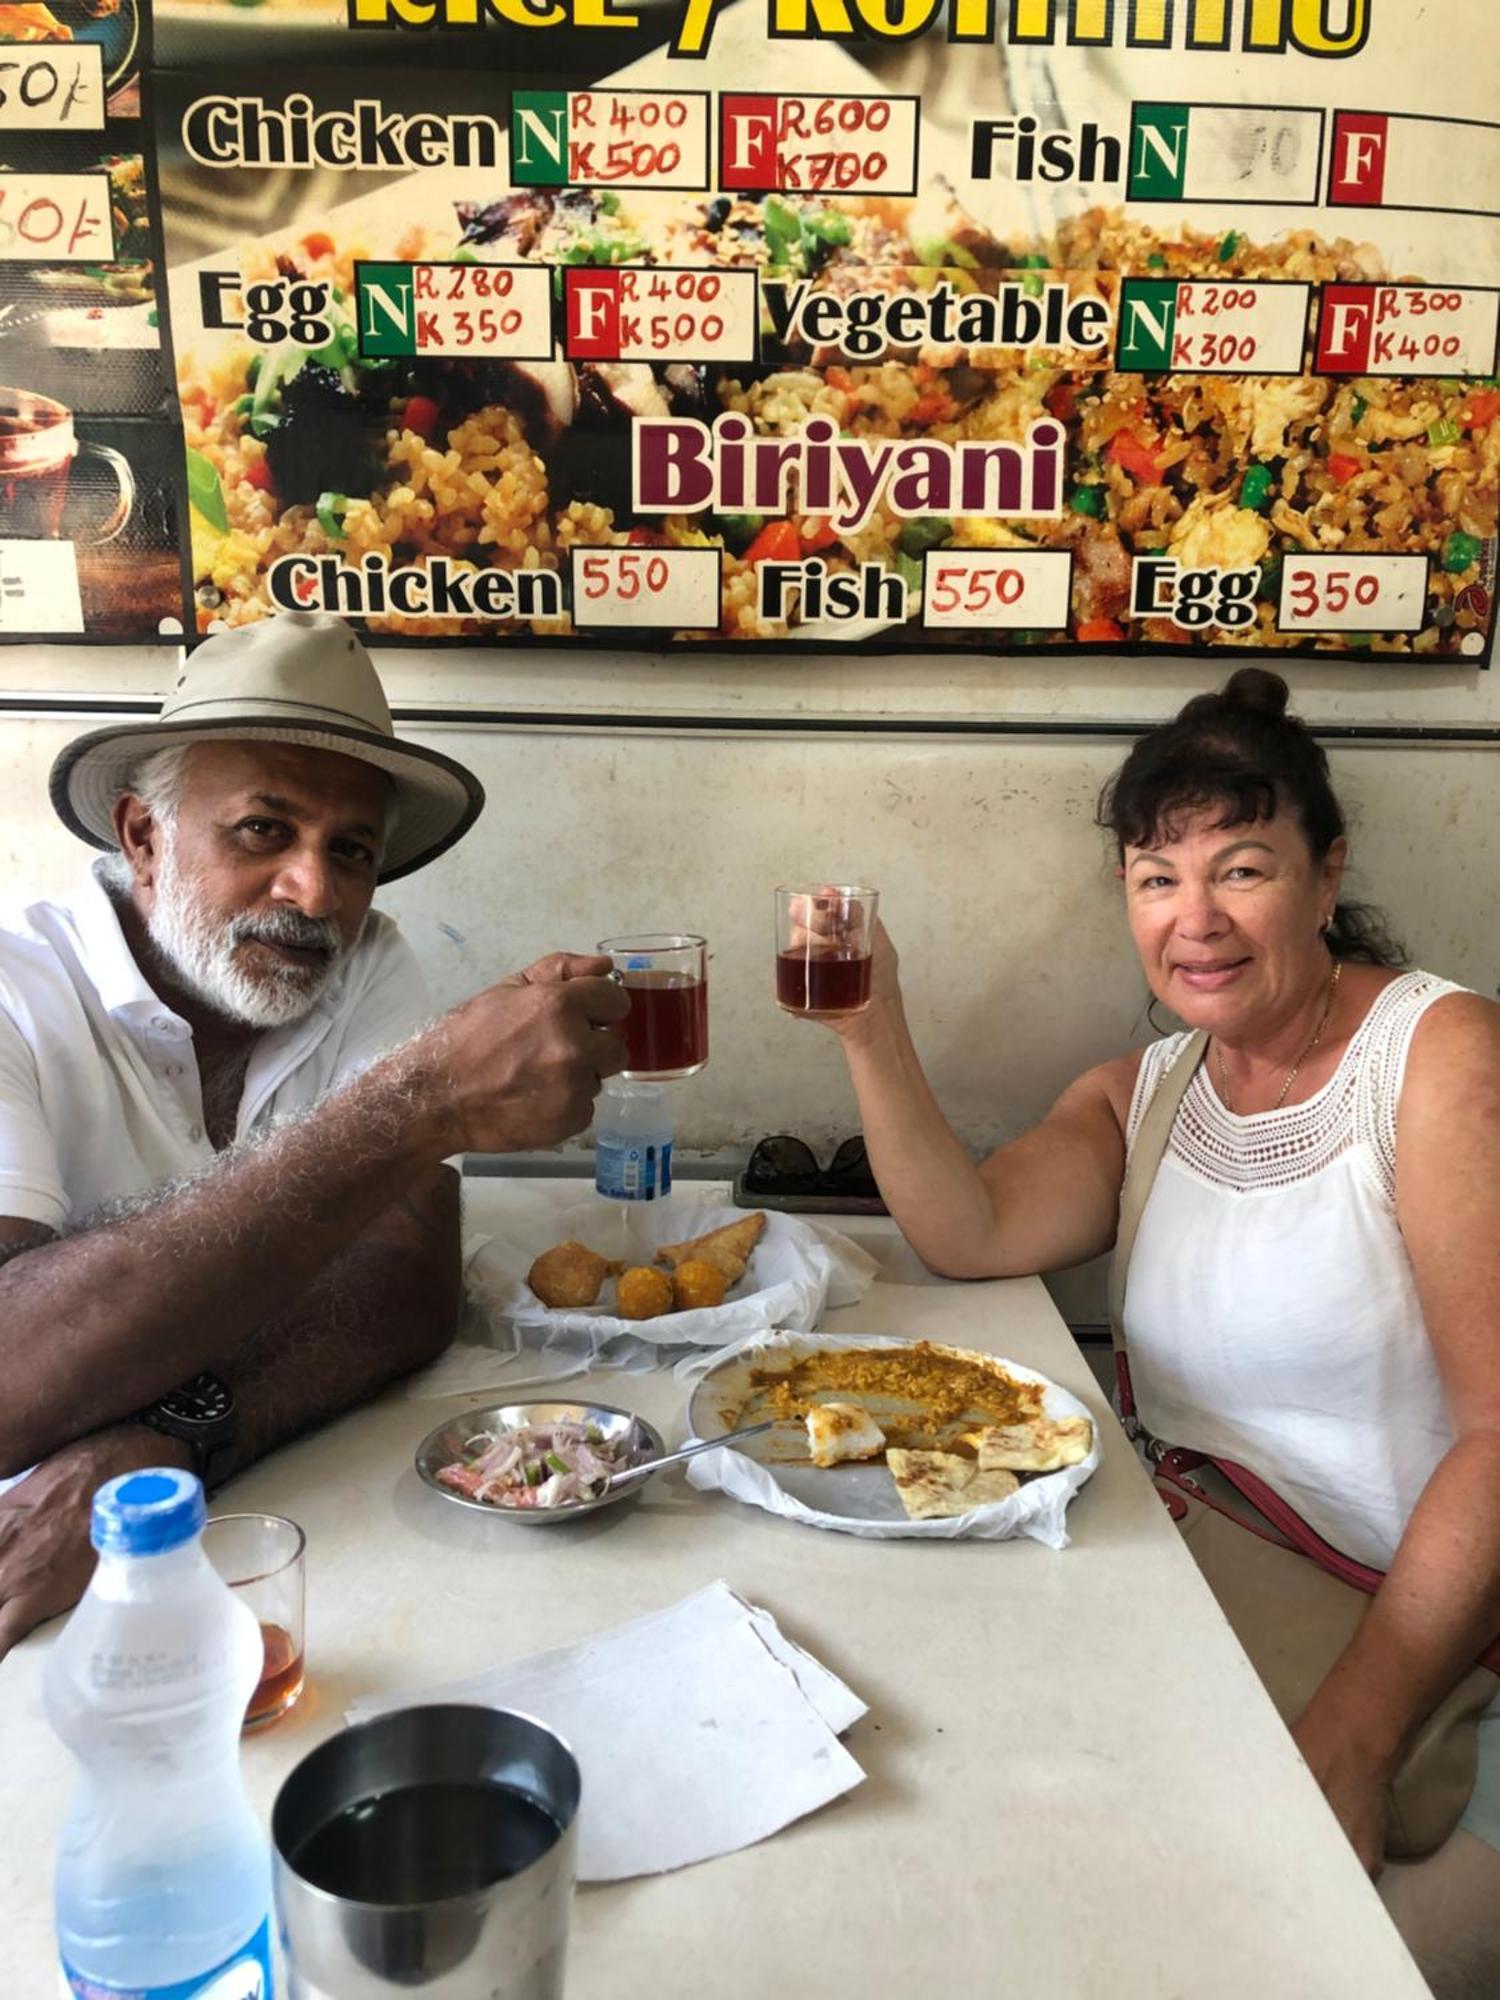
x=441 y=1446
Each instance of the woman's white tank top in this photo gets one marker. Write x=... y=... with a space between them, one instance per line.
x=1271 y=1315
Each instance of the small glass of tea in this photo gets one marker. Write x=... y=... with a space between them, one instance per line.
x=823 y=939
x=665 y=974
x=260 y=1557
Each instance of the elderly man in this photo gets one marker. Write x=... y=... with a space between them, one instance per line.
x=225 y=1212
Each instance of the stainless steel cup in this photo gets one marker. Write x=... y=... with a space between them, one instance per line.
x=415 y=1914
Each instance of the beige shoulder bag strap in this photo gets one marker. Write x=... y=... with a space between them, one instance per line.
x=1146 y=1156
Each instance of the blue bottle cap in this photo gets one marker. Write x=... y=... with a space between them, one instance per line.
x=146 y=1513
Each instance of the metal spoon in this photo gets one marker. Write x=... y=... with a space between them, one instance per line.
x=688 y=1451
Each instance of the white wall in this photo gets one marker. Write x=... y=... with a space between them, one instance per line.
x=996 y=884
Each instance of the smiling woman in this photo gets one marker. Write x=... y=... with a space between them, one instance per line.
x=1233 y=756
x=1312 y=1173
x=1231 y=846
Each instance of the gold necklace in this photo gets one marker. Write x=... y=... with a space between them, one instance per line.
x=1306 y=1050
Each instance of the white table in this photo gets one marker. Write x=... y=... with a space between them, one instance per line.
x=1076 y=1786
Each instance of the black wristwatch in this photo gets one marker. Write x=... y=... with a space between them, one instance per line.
x=202 y=1414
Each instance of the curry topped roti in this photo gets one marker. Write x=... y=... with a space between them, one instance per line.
x=924 y=1397
x=872 y=1434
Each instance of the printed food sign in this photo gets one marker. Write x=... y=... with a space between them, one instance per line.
x=998 y=325
x=91 y=511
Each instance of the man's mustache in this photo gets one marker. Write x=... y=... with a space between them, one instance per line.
x=288 y=927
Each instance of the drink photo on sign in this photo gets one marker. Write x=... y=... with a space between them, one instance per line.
x=88 y=524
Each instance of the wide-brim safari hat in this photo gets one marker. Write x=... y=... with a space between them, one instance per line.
x=298 y=677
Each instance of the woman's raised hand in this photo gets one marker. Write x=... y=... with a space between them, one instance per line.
x=824 y=922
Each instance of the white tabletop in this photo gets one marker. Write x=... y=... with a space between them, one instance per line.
x=1075 y=1782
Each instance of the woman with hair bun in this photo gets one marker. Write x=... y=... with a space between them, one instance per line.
x=1314 y=1278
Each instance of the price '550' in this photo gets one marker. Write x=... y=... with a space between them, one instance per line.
x=975 y=591
x=623 y=576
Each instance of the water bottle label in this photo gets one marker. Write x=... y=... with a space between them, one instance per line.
x=244 y=1976
x=632 y=1172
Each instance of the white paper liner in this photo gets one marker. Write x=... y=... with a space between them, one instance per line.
x=700 y=1729
x=798 y=1268
x=1038 y=1508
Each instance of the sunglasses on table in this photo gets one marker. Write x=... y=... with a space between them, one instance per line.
x=784 y=1172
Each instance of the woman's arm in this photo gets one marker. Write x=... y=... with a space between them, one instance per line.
x=1047 y=1200
x=1440 y=1605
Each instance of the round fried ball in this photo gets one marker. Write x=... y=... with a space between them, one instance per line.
x=642 y=1293
x=700 y=1283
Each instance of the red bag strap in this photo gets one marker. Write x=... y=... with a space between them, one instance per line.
x=1173 y=1464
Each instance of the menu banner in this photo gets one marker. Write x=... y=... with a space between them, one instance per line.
x=997 y=326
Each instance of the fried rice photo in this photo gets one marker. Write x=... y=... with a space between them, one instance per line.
x=513 y=465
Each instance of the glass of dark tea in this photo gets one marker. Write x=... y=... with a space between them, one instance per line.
x=260 y=1557
x=823 y=939
x=666 y=975
x=39 y=455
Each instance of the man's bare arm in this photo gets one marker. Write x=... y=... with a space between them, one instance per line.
x=385 y=1306
x=95 y=1326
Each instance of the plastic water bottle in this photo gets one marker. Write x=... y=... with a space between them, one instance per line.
x=163 y=1886
x=633 y=1142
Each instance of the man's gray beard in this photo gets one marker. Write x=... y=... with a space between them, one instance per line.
x=201 y=951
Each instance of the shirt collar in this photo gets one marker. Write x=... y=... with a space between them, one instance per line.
x=127 y=994
x=107 y=957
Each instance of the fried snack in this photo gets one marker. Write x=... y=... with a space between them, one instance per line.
x=569 y=1274
x=698 y=1283
x=936 y=1485
x=729 y=1248
x=837 y=1431
x=642 y=1293
x=1042 y=1444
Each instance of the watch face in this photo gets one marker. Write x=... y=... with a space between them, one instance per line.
x=204 y=1400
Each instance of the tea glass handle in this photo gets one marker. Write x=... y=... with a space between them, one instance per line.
x=124 y=505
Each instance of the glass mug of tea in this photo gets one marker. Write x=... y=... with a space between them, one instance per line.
x=823 y=941
x=40 y=457
x=665 y=974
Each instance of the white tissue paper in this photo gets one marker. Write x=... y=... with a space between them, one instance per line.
x=699 y=1729
x=798 y=1269
x=1037 y=1508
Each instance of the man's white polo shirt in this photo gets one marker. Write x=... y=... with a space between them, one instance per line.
x=99 y=1094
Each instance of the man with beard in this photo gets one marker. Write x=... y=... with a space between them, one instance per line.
x=225 y=1208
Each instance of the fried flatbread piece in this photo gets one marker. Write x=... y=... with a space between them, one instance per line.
x=728 y=1248
x=569 y=1274
x=1040 y=1444
x=935 y=1485
x=837 y=1431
